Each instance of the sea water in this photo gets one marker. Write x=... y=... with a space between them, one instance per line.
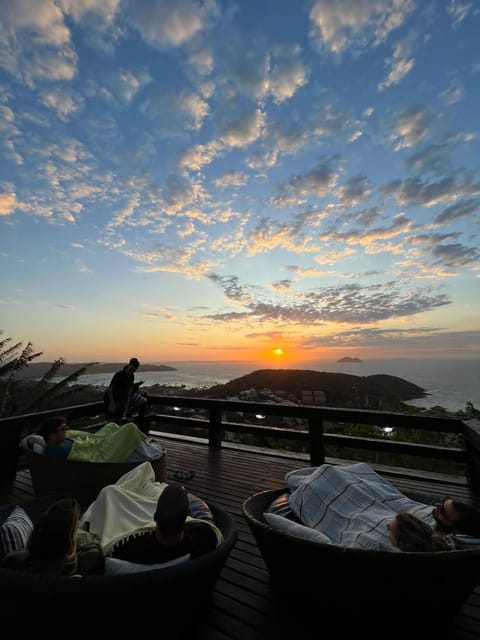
x=450 y=383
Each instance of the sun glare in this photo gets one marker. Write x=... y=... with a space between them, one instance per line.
x=278 y=352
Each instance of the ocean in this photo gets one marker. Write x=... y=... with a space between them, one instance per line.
x=450 y=383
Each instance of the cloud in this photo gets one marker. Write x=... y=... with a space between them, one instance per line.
x=456 y=211
x=244 y=130
x=35 y=42
x=413 y=191
x=355 y=190
x=64 y=104
x=167 y=24
x=343 y=24
x=455 y=255
x=412 y=126
x=231 y=179
x=421 y=337
x=453 y=94
x=198 y=156
x=7 y=203
x=350 y=303
x=458 y=11
x=318 y=181
x=400 y=64
x=288 y=73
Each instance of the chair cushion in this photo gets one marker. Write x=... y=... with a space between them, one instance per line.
x=283 y=525
x=15 y=531
x=33 y=442
x=115 y=566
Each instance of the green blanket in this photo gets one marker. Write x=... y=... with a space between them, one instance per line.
x=111 y=443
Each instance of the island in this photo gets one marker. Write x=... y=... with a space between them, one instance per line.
x=348 y=359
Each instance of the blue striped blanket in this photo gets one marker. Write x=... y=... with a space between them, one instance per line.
x=351 y=504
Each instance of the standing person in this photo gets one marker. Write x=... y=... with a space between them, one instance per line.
x=119 y=393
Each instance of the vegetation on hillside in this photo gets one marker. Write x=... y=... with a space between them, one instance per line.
x=18 y=396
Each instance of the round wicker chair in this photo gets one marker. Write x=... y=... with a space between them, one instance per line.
x=330 y=579
x=51 y=475
x=173 y=599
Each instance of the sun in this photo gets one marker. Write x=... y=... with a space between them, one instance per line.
x=278 y=352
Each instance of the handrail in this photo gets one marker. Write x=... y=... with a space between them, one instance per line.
x=314 y=436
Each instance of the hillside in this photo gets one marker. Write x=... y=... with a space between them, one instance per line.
x=38 y=369
x=341 y=389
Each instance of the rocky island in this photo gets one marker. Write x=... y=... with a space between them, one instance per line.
x=348 y=359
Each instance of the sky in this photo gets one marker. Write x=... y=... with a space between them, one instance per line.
x=269 y=180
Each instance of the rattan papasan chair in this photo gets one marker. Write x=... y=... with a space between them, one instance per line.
x=351 y=586
x=171 y=600
x=52 y=475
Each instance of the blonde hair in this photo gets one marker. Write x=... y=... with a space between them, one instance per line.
x=412 y=534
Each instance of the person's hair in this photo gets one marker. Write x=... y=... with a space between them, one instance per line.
x=412 y=534
x=134 y=362
x=468 y=520
x=54 y=535
x=172 y=509
x=50 y=425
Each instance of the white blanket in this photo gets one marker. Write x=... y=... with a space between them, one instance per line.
x=351 y=504
x=127 y=507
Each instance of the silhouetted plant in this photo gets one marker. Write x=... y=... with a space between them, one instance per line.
x=16 y=357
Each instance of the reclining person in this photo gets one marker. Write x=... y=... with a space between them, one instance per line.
x=135 y=507
x=173 y=537
x=111 y=443
x=51 y=547
x=409 y=533
x=353 y=506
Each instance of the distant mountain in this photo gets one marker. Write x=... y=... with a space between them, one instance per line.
x=348 y=359
x=38 y=369
x=341 y=389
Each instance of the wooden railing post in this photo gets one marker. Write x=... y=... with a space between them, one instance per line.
x=317 y=448
x=215 y=431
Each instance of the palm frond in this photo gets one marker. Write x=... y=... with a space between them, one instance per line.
x=57 y=388
x=10 y=352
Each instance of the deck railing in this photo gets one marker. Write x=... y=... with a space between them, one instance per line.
x=316 y=438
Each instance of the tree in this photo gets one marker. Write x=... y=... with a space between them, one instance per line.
x=14 y=358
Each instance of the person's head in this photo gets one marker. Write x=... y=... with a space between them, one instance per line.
x=409 y=533
x=54 y=535
x=54 y=430
x=453 y=515
x=133 y=365
x=172 y=510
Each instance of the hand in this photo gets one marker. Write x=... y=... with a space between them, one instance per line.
x=141 y=382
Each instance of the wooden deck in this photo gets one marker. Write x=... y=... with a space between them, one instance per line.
x=243 y=606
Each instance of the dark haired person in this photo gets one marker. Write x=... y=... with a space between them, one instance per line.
x=54 y=432
x=121 y=390
x=173 y=537
x=454 y=516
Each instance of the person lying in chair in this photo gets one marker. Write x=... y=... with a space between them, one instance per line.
x=111 y=443
x=409 y=533
x=51 y=548
x=54 y=432
x=173 y=537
